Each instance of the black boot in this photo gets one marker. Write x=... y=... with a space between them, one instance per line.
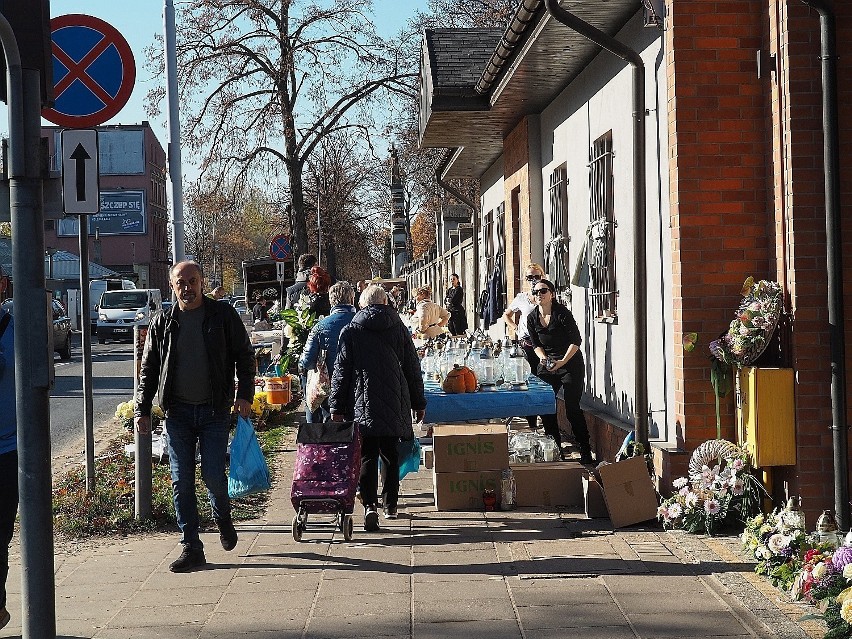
x=191 y=557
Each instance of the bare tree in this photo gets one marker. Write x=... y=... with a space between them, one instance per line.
x=263 y=82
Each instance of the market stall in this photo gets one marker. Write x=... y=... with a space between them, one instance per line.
x=499 y=403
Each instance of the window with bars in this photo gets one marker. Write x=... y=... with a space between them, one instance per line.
x=556 y=249
x=603 y=287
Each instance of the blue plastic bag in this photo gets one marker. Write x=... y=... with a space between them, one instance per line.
x=409 y=456
x=248 y=472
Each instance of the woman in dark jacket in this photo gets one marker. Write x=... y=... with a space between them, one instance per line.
x=377 y=383
x=556 y=339
x=454 y=303
x=318 y=283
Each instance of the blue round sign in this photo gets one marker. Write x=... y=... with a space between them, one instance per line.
x=93 y=71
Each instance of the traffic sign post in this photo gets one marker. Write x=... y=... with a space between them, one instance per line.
x=80 y=174
x=94 y=71
x=280 y=248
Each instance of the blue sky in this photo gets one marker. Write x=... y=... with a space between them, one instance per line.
x=140 y=20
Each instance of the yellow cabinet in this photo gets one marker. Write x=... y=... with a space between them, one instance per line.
x=765 y=415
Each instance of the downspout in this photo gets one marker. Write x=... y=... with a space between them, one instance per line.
x=640 y=310
x=834 y=262
x=474 y=216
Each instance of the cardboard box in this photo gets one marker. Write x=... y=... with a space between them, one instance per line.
x=628 y=491
x=463 y=491
x=548 y=484
x=470 y=447
x=593 y=497
x=428 y=457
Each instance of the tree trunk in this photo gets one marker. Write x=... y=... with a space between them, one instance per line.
x=300 y=227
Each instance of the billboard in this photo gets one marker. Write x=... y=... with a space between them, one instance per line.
x=122 y=213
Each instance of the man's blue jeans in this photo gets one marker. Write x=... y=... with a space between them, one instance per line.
x=187 y=425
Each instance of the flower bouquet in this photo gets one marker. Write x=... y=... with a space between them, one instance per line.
x=719 y=496
x=828 y=584
x=124 y=414
x=751 y=329
x=776 y=546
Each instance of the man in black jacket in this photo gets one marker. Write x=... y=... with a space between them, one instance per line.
x=191 y=353
x=377 y=383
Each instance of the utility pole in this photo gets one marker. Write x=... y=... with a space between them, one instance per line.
x=32 y=361
x=175 y=166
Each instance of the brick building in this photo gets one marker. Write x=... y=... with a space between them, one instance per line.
x=734 y=187
x=130 y=234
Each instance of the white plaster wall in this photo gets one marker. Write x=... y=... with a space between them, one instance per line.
x=598 y=101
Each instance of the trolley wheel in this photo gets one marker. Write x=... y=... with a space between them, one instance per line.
x=297 y=529
x=348 y=527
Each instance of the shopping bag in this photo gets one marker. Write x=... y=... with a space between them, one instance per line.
x=318 y=385
x=408 y=452
x=248 y=472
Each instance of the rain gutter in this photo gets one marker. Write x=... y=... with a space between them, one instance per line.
x=834 y=261
x=640 y=304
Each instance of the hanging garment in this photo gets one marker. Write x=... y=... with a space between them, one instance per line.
x=599 y=231
x=555 y=253
x=494 y=309
x=582 y=276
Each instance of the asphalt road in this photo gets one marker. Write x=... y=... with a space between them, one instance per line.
x=112 y=383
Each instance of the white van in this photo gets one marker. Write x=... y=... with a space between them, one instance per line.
x=97 y=288
x=120 y=311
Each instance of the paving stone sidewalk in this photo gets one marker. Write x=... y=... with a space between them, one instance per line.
x=524 y=574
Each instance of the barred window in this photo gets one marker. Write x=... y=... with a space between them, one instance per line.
x=556 y=248
x=604 y=291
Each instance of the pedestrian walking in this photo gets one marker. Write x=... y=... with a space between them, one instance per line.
x=556 y=339
x=516 y=320
x=377 y=383
x=454 y=303
x=324 y=337
x=8 y=446
x=192 y=353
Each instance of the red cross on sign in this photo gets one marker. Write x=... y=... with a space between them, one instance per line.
x=93 y=71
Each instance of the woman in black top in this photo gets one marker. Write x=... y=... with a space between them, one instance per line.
x=556 y=338
x=454 y=303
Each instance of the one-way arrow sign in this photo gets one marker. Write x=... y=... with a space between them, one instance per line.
x=80 y=180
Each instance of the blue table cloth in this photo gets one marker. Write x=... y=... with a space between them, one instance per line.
x=501 y=403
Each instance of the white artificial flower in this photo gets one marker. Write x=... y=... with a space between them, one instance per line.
x=847 y=571
x=676 y=511
x=680 y=482
x=819 y=570
x=712 y=507
x=691 y=500
x=778 y=543
x=738 y=487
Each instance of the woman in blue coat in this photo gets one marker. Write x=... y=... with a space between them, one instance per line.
x=324 y=336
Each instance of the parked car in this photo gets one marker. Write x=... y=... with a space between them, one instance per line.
x=240 y=305
x=61 y=327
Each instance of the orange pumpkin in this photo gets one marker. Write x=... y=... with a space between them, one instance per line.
x=470 y=381
x=454 y=382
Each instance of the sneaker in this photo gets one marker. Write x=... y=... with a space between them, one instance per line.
x=389 y=512
x=227 y=534
x=371 y=519
x=191 y=557
x=4 y=617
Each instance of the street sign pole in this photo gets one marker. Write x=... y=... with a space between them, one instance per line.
x=88 y=404
x=81 y=197
x=32 y=366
